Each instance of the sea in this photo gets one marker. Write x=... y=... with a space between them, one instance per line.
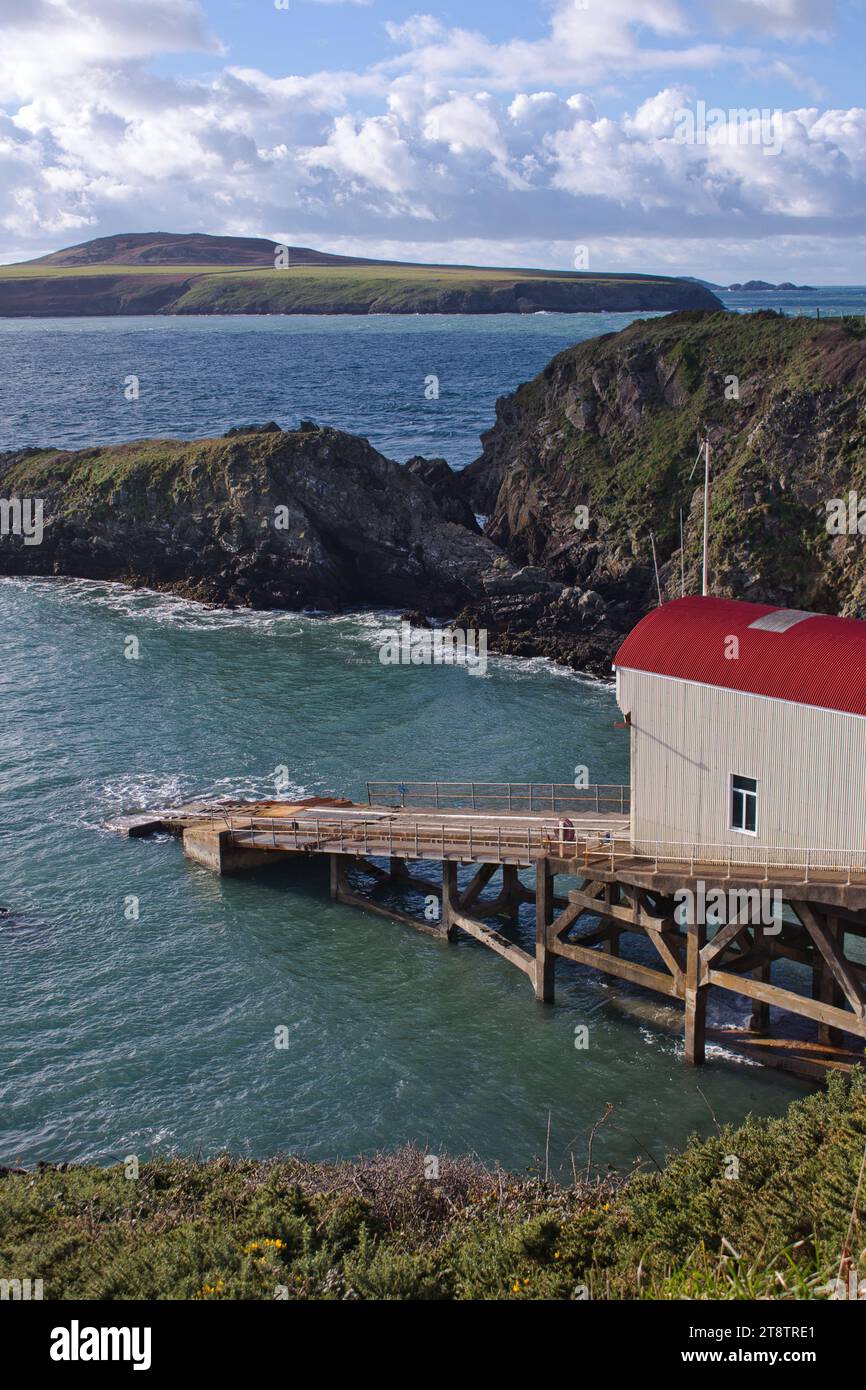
x=141 y=997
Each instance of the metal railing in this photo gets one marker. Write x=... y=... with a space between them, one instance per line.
x=403 y=837
x=534 y=798
x=419 y=838
x=808 y=860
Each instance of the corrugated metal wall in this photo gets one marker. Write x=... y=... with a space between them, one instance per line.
x=687 y=739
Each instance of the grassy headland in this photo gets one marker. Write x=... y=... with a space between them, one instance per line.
x=793 y=1219
x=160 y=273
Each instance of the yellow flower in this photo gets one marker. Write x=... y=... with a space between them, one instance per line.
x=515 y=1288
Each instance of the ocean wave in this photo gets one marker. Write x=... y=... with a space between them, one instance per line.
x=360 y=625
x=174 y=610
x=130 y=792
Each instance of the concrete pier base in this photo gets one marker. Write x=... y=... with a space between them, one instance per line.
x=214 y=850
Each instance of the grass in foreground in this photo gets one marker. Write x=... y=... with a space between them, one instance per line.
x=377 y=1229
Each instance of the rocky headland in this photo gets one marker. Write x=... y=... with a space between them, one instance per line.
x=583 y=468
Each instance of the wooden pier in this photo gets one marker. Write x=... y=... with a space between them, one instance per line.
x=616 y=892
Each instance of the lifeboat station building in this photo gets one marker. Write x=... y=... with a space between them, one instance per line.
x=747 y=726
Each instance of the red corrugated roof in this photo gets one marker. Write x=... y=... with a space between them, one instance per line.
x=809 y=658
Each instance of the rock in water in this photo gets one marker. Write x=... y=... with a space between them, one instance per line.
x=311 y=518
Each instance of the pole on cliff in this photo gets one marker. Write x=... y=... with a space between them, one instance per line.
x=656 y=567
x=705 y=450
x=682 y=559
x=705 y=588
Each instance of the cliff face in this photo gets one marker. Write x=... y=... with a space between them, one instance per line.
x=292 y=291
x=614 y=426
x=310 y=518
x=583 y=467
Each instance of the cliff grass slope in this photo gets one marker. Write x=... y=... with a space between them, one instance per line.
x=613 y=426
x=791 y=1225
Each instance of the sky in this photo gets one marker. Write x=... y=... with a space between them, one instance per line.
x=603 y=134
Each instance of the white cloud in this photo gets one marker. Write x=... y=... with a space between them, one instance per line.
x=416 y=30
x=372 y=151
x=782 y=18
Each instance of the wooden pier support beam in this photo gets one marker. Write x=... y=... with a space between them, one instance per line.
x=511 y=886
x=759 y=1021
x=826 y=989
x=342 y=892
x=695 y=995
x=450 y=899
x=545 y=959
x=511 y=895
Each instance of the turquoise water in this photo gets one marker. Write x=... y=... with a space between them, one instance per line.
x=157 y=1035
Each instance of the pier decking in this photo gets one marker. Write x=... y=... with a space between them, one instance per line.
x=622 y=891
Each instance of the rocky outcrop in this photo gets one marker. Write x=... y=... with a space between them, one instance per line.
x=586 y=468
x=310 y=518
x=444 y=483
x=592 y=461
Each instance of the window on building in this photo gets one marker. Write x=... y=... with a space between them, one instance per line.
x=744 y=804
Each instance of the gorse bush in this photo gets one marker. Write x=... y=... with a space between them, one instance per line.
x=786 y=1226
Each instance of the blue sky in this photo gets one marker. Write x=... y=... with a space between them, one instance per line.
x=349 y=35
x=497 y=133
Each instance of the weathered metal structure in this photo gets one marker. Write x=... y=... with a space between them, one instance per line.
x=726 y=749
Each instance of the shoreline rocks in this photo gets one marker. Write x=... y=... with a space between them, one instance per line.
x=585 y=467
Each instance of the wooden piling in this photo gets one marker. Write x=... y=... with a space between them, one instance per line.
x=545 y=960
x=759 y=1022
x=695 y=995
x=450 y=899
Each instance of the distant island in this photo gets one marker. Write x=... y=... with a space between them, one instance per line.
x=757 y=286
x=752 y=286
x=175 y=273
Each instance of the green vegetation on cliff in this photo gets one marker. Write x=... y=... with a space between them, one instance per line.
x=236 y=1228
x=614 y=425
x=265 y=518
x=159 y=273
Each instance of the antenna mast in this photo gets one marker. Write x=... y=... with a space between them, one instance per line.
x=705 y=450
x=705 y=588
x=656 y=567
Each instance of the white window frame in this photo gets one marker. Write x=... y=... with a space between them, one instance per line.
x=740 y=829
